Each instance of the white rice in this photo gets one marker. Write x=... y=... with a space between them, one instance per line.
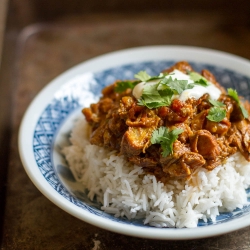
x=124 y=189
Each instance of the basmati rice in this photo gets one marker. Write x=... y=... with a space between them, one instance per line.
x=124 y=189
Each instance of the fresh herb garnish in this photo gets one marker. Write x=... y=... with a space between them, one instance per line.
x=145 y=77
x=161 y=93
x=177 y=85
x=216 y=103
x=154 y=98
x=233 y=93
x=124 y=85
x=198 y=79
x=166 y=87
x=165 y=138
x=218 y=112
x=142 y=76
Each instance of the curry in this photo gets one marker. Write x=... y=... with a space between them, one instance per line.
x=175 y=136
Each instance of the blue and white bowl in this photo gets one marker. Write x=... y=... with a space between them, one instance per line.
x=48 y=121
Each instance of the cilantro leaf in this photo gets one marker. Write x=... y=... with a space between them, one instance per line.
x=198 y=79
x=166 y=94
x=216 y=103
x=142 y=76
x=165 y=138
x=161 y=93
x=152 y=98
x=178 y=85
x=123 y=85
x=216 y=114
x=201 y=82
x=150 y=105
x=244 y=111
x=160 y=76
x=145 y=77
x=233 y=93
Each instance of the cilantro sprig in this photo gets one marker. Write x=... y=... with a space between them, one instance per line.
x=124 y=85
x=218 y=112
x=154 y=98
x=216 y=103
x=145 y=77
x=165 y=138
x=161 y=93
x=233 y=93
x=142 y=76
x=177 y=85
x=198 y=79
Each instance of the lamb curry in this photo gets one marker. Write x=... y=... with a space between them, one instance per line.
x=171 y=127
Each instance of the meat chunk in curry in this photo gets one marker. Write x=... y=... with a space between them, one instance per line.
x=121 y=122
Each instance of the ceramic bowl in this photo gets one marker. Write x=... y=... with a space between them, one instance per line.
x=47 y=123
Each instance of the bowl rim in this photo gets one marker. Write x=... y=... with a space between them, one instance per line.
x=100 y=63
